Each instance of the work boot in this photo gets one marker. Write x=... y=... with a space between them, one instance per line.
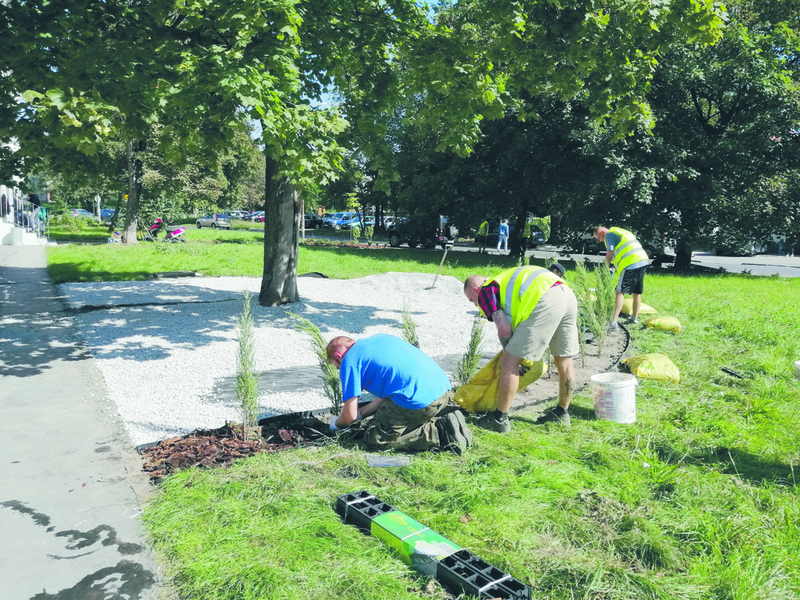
x=633 y=320
x=555 y=414
x=492 y=423
x=454 y=434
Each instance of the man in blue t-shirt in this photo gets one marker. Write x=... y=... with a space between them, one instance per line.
x=411 y=392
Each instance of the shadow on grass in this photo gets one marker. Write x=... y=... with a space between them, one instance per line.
x=748 y=466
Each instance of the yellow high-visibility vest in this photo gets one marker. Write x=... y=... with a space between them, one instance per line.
x=521 y=289
x=628 y=251
x=484 y=228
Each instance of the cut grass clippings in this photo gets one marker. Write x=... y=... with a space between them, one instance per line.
x=697 y=499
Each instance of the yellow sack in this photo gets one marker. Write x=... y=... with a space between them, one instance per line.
x=664 y=324
x=653 y=366
x=644 y=309
x=479 y=394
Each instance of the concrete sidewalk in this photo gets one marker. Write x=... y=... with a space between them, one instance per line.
x=70 y=481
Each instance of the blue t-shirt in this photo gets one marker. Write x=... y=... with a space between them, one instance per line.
x=612 y=239
x=389 y=367
x=503 y=230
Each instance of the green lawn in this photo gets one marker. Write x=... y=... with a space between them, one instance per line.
x=696 y=500
x=237 y=253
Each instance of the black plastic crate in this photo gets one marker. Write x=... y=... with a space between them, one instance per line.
x=359 y=508
x=463 y=572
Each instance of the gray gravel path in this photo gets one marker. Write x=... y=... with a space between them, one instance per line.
x=167 y=348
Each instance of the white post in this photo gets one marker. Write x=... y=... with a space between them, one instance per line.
x=97 y=200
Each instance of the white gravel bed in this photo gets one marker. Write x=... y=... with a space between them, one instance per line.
x=167 y=348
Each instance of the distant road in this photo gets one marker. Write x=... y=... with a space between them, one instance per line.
x=763 y=264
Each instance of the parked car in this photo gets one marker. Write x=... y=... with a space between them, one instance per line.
x=256 y=217
x=215 y=221
x=312 y=221
x=80 y=212
x=238 y=214
x=326 y=219
x=421 y=231
x=343 y=220
x=107 y=214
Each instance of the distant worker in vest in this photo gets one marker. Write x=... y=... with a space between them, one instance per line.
x=480 y=237
x=629 y=263
x=526 y=238
x=411 y=393
x=532 y=309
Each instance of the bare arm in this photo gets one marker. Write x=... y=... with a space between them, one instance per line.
x=503 y=326
x=350 y=411
x=609 y=255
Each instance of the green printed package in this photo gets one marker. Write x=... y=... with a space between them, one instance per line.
x=417 y=545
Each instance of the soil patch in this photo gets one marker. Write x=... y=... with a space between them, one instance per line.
x=215 y=448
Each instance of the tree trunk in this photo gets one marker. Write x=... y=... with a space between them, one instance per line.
x=135 y=174
x=281 y=242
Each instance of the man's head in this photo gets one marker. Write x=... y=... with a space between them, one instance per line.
x=337 y=348
x=558 y=269
x=472 y=286
x=600 y=233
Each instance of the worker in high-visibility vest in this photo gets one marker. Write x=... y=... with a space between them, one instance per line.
x=480 y=237
x=533 y=309
x=526 y=237
x=629 y=262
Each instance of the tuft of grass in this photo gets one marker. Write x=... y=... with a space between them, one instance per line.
x=330 y=374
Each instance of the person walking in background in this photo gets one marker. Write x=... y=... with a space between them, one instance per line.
x=502 y=235
x=629 y=262
x=532 y=309
x=411 y=392
x=480 y=237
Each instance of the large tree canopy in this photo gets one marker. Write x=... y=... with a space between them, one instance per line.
x=88 y=70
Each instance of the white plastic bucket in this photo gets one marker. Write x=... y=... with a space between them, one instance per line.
x=614 y=397
x=797 y=369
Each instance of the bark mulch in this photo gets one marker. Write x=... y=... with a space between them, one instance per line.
x=215 y=448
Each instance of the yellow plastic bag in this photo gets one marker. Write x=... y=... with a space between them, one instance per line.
x=653 y=366
x=644 y=309
x=479 y=394
x=670 y=324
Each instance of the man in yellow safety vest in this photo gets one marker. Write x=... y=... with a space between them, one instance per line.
x=483 y=231
x=629 y=263
x=532 y=309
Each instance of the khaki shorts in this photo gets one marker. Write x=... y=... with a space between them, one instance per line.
x=553 y=323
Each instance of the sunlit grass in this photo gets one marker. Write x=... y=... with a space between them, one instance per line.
x=697 y=499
